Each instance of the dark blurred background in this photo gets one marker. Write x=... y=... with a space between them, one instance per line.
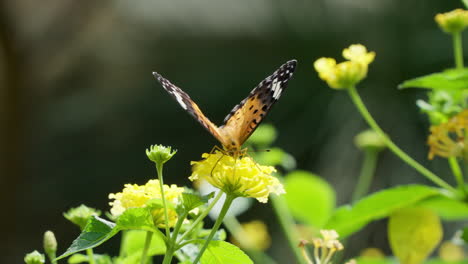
x=79 y=105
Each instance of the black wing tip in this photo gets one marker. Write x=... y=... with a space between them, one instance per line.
x=291 y=63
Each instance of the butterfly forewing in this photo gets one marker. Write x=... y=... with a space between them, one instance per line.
x=245 y=117
x=190 y=106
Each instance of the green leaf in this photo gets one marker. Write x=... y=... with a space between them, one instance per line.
x=349 y=219
x=370 y=260
x=464 y=235
x=263 y=136
x=440 y=261
x=136 y=218
x=413 y=234
x=465 y=2
x=310 y=198
x=448 y=79
x=96 y=232
x=217 y=252
x=133 y=242
x=446 y=207
x=98 y=259
x=275 y=157
x=221 y=252
x=192 y=201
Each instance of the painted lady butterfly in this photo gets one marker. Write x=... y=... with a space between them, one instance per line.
x=245 y=117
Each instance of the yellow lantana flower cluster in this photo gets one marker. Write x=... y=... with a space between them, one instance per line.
x=454 y=21
x=345 y=74
x=133 y=196
x=450 y=139
x=241 y=177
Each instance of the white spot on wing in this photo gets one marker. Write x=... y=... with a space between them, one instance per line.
x=180 y=100
x=276 y=89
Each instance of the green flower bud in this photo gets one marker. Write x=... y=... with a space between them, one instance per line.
x=160 y=154
x=34 y=258
x=50 y=243
x=80 y=215
x=454 y=21
x=369 y=139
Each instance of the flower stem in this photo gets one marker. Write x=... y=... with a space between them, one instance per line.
x=222 y=214
x=367 y=173
x=457 y=173
x=171 y=245
x=400 y=153
x=458 y=50
x=159 y=169
x=287 y=224
x=144 y=254
x=90 y=254
x=201 y=216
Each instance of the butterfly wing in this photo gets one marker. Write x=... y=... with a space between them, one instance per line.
x=245 y=117
x=190 y=106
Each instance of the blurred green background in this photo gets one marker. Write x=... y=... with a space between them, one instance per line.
x=79 y=105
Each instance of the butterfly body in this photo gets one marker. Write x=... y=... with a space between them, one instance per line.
x=245 y=117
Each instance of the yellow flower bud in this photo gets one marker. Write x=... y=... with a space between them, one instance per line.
x=454 y=21
x=254 y=236
x=348 y=73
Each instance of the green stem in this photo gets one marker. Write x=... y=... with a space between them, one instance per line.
x=367 y=173
x=90 y=254
x=458 y=50
x=144 y=254
x=159 y=169
x=171 y=245
x=222 y=214
x=52 y=257
x=396 y=150
x=457 y=173
x=287 y=224
x=169 y=254
x=235 y=228
x=200 y=217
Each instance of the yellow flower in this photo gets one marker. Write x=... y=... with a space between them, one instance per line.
x=454 y=21
x=133 y=196
x=241 y=177
x=254 y=235
x=450 y=139
x=358 y=53
x=348 y=73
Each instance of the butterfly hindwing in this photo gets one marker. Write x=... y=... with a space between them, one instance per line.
x=189 y=105
x=245 y=117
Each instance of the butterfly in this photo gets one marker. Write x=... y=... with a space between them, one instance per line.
x=245 y=117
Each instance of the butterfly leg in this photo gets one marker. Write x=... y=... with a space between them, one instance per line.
x=216 y=148
x=212 y=170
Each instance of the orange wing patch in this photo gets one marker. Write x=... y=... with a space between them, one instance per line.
x=248 y=114
x=245 y=117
